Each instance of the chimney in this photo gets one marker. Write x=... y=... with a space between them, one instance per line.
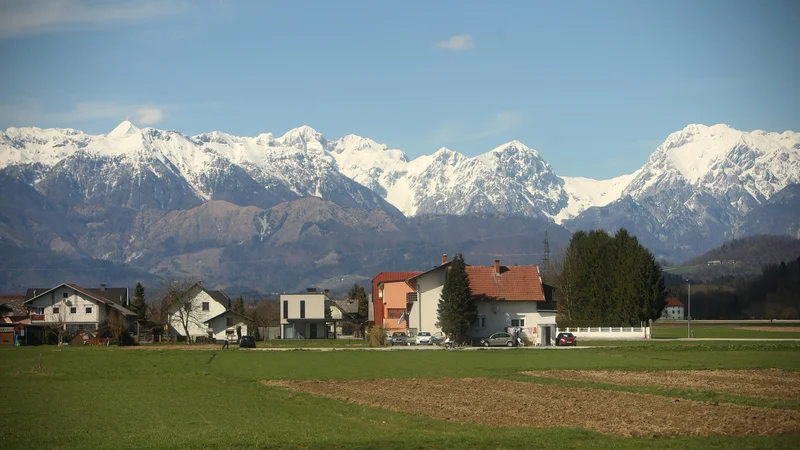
x=497 y=267
x=444 y=258
x=199 y=282
x=102 y=287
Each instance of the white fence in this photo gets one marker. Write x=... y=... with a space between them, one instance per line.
x=609 y=332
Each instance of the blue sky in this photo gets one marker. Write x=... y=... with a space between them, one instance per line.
x=594 y=86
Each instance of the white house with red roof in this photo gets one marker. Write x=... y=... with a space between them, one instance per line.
x=508 y=298
x=673 y=310
x=76 y=308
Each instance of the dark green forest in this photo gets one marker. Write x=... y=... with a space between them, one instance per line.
x=773 y=294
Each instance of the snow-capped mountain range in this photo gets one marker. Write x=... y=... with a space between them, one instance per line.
x=700 y=180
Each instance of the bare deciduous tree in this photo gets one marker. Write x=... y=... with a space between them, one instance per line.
x=177 y=303
x=265 y=315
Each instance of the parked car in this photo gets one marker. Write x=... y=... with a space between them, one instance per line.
x=247 y=342
x=399 y=338
x=437 y=338
x=424 y=338
x=498 y=339
x=566 y=339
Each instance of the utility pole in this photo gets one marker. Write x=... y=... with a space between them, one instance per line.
x=689 y=313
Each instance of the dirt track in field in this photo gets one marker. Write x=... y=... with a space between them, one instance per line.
x=770 y=383
x=513 y=403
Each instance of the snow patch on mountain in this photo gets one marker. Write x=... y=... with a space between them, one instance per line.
x=585 y=193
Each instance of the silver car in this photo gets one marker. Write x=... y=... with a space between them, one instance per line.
x=501 y=339
x=424 y=338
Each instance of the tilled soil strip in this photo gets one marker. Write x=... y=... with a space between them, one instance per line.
x=513 y=403
x=770 y=383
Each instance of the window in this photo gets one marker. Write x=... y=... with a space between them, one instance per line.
x=205 y=306
x=482 y=322
x=73 y=310
x=517 y=322
x=65 y=295
x=55 y=309
x=229 y=321
x=395 y=313
x=285 y=309
x=88 y=310
x=302 y=309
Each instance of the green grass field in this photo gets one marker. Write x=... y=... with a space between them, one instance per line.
x=105 y=397
x=716 y=331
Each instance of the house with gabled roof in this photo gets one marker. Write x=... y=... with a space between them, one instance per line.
x=508 y=298
x=392 y=297
x=78 y=309
x=208 y=315
x=673 y=309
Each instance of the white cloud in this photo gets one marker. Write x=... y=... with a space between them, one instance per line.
x=26 y=17
x=32 y=114
x=460 y=42
x=148 y=116
x=503 y=121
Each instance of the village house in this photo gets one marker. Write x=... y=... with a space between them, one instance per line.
x=392 y=297
x=206 y=315
x=307 y=315
x=77 y=309
x=673 y=309
x=508 y=298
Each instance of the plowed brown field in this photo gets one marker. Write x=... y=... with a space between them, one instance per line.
x=770 y=383
x=513 y=403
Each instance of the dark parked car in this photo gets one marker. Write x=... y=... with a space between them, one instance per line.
x=498 y=339
x=566 y=339
x=399 y=338
x=247 y=342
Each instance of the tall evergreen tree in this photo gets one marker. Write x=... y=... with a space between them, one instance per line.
x=139 y=302
x=612 y=281
x=457 y=310
x=358 y=294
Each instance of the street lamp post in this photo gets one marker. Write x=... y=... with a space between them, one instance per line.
x=689 y=313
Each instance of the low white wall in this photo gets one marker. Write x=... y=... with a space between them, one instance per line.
x=615 y=333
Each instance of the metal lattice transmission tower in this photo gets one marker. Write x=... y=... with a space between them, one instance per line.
x=546 y=254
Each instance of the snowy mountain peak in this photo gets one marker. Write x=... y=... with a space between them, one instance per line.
x=123 y=129
x=513 y=146
x=356 y=143
x=305 y=132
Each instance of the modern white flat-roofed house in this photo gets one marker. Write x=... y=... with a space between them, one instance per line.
x=78 y=309
x=306 y=315
x=206 y=314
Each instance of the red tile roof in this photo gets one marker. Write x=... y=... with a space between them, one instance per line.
x=674 y=302
x=384 y=277
x=513 y=283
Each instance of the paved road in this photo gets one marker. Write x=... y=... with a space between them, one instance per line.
x=416 y=348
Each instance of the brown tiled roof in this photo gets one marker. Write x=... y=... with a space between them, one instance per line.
x=385 y=277
x=513 y=283
x=15 y=303
x=674 y=302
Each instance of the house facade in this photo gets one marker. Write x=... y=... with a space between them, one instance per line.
x=306 y=315
x=78 y=309
x=507 y=298
x=395 y=298
x=378 y=308
x=205 y=314
x=673 y=310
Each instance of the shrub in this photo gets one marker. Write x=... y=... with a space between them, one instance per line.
x=125 y=339
x=376 y=336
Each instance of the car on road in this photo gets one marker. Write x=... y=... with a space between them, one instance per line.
x=399 y=338
x=565 y=339
x=424 y=338
x=247 y=342
x=498 y=339
x=437 y=338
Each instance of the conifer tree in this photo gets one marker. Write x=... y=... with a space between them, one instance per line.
x=457 y=310
x=238 y=306
x=139 y=302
